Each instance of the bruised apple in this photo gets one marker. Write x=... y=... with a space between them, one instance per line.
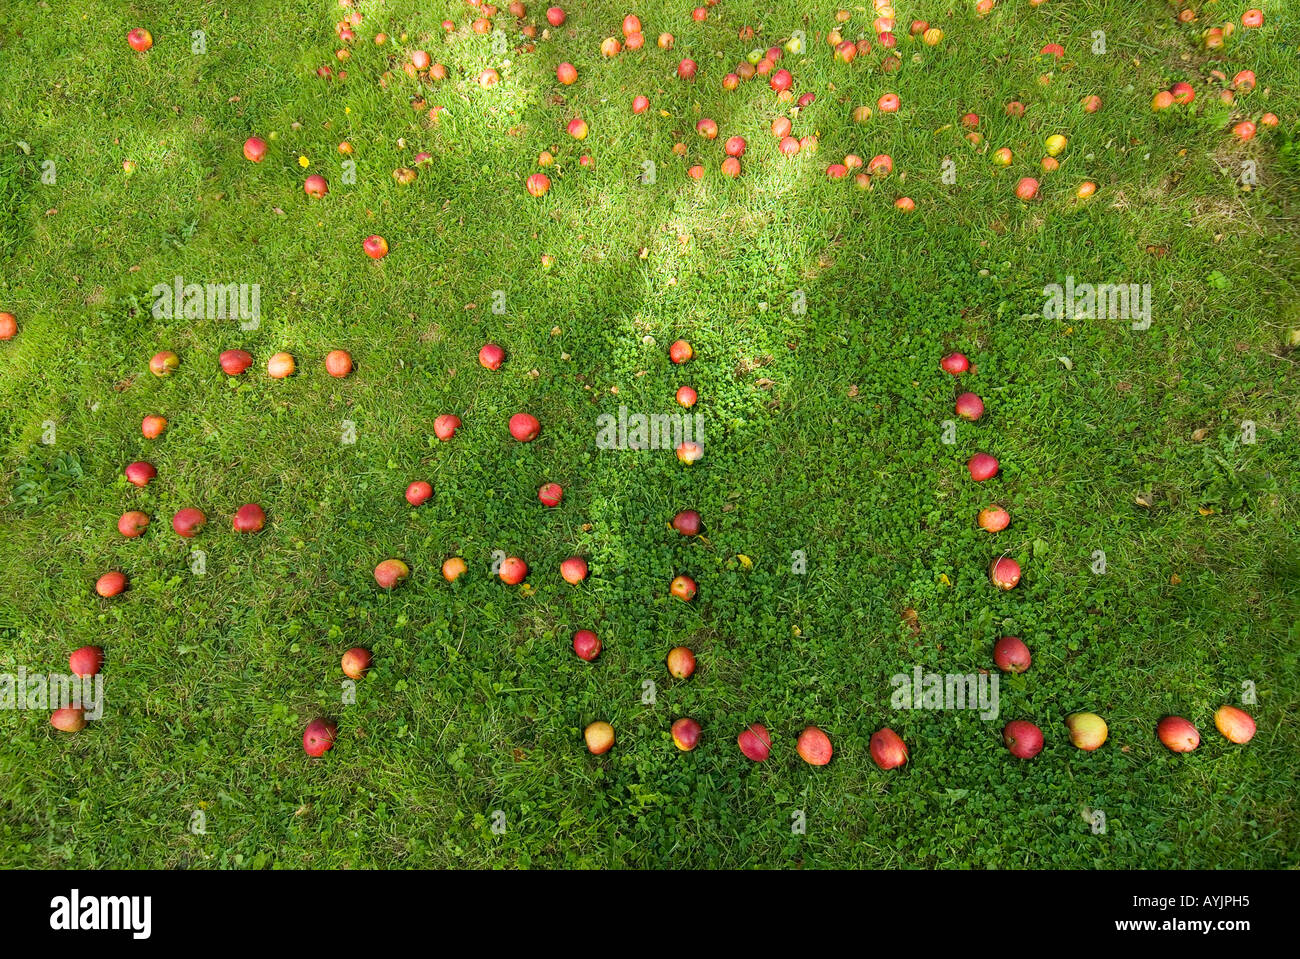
x=391 y=572
x=1004 y=573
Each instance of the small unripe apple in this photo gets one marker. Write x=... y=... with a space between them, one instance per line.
x=318 y=737
x=1011 y=654
x=686 y=734
x=1179 y=735
x=814 y=747
x=1087 y=730
x=574 y=570
x=888 y=749
x=681 y=662
x=755 y=743
x=524 y=427
x=86 y=661
x=249 y=518
x=512 y=571
x=391 y=572
x=586 y=644
x=599 y=737
x=356 y=661
x=1022 y=738
x=1235 y=724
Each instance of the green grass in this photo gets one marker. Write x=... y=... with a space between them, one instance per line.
x=823 y=434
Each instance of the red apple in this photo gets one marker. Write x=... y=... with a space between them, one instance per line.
x=338 y=363
x=1027 y=188
x=524 y=427
x=315 y=186
x=491 y=356
x=631 y=25
x=356 y=661
x=781 y=80
x=640 y=104
x=1178 y=734
x=445 y=426
x=1183 y=92
x=140 y=473
x=550 y=494
x=318 y=737
x=512 y=571
x=1011 y=654
x=982 y=467
x=970 y=406
x=1022 y=738
x=755 y=743
x=690 y=453
x=577 y=128
x=151 y=427
x=1087 y=730
x=955 y=363
x=814 y=747
x=574 y=570
x=255 y=149
x=133 y=523
x=599 y=737
x=686 y=734
x=164 y=363
x=888 y=749
x=706 y=128
x=69 y=719
x=418 y=492
x=538 y=184
x=110 y=584
x=994 y=518
x=281 y=366
x=686 y=69
x=453 y=568
x=187 y=522
x=1004 y=572
x=139 y=39
x=681 y=662
x=8 y=326
x=391 y=572
x=686 y=396
x=586 y=644
x=235 y=362
x=687 y=522
x=566 y=73
x=86 y=661
x=730 y=167
x=683 y=587
x=376 y=246
x=1235 y=724
x=249 y=518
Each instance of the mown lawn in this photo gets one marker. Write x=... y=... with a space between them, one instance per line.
x=818 y=313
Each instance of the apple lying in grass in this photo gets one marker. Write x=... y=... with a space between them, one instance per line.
x=86 y=661
x=453 y=568
x=681 y=662
x=1004 y=572
x=1087 y=730
x=640 y=104
x=538 y=184
x=235 y=362
x=338 y=363
x=140 y=473
x=280 y=366
x=706 y=128
x=254 y=149
x=687 y=69
x=133 y=523
x=577 y=128
x=249 y=518
x=683 y=587
x=1179 y=735
x=814 y=747
x=573 y=570
x=375 y=246
x=686 y=734
x=686 y=396
x=512 y=571
x=994 y=519
x=687 y=522
x=164 y=363
x=318 y=737
x=1022 y=738
x=1026 y=188
x=955 y=363
x=1011 y=654
x=356 y=661
x=524 y=427
x=566 y=73
x=970 y=406
x=391 y=572
x=418 y=492
x=151 y=427
x=315 y=186
x=1235 y=724
x=139 y=39
x=690 y=452
x=110 y=584
x=445 y=426
x=755 y=743
x=550 y=494
x=680 y=351
x=888 y=749
x=69 y=719
x=599 y=737
x=187 y=522
x=982 y=467
x=491 y=356
x=8 y=326
x=586 y=644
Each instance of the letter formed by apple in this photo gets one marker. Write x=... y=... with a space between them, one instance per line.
x=686 y=734
x=1087 y=730
x=814 y=747
x=1178 y=734
x=1022 y=738
x=356 y=662
x=524 y=427
x=1011 y=654
x=586 y=644
x=1235 y=724
x=391 y=572
x=888 y=749
x=318 y=737
x=599 y=737
x=755 y=743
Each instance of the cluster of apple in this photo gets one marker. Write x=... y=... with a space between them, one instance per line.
x=1183 y=93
